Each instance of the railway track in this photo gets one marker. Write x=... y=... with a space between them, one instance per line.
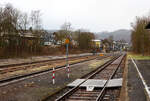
x=34 y=62
x=24 y=66
x=13 y=79
x=106 y=72
x=114 y=93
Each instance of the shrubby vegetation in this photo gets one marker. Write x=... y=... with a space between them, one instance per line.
x=21 y=34
x=140 y=37
x=84 y=39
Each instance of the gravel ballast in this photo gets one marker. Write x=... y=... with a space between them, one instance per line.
x=36 y=88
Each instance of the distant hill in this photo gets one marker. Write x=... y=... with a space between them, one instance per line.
x=117 y=35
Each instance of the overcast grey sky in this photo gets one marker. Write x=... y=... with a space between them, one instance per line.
x=95 y=15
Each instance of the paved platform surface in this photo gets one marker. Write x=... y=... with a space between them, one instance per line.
x=135 y=86
x=97 y=83
x=144 y=68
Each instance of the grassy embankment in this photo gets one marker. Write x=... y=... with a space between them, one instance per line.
x=138 y=56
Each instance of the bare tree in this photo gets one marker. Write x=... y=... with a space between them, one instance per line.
x=23 y=22
x=12 y=22
x=35 y=18
x=84 y=39
x=140 y=37
x=1 y=19
x=64 y=32
x=66 y=26
x=9 y=19
x=67 y=30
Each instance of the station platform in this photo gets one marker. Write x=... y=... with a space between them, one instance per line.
x=138 y=81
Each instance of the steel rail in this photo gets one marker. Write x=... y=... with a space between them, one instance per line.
x=27 y=63
x=22 y=67
x=2 y=81
x=70 y=92
x=102 y=93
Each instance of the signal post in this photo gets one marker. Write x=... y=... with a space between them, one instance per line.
x=67 y=52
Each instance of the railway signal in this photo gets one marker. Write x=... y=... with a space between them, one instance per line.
x=67 y=41
x=67 y=52
x=101 y=54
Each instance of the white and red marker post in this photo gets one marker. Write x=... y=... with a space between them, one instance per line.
x=68 y=70
x=53 y=75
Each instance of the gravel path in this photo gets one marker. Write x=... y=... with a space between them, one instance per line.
x=34 y=89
